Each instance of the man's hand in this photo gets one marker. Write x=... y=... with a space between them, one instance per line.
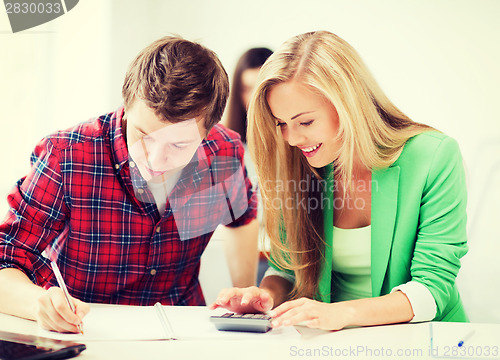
x=54 y=313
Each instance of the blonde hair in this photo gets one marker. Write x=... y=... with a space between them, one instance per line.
x=370 y=126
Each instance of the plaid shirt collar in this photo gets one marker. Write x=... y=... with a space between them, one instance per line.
x=117 y=139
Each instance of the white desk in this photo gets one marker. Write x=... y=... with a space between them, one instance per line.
x=402 y=341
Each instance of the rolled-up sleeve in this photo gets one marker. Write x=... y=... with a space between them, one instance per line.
x=441 y=239
x=36 y=215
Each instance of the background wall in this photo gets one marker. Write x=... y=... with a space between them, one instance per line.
x=436 y=59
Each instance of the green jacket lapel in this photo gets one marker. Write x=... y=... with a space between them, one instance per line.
x=324 y=287
x=383 y=217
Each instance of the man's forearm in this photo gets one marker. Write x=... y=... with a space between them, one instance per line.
x=279 y=288
x=242 y=253
x=18 y=294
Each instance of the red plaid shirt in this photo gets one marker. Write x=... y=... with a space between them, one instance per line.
x=119 y=248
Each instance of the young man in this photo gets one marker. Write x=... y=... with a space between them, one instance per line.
x=138 y=192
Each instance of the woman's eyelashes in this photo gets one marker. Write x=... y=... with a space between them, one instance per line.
x=304 y=123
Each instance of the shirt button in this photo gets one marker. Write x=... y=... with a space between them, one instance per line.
x=140 y=191
x=132 y=164
x=158 y=229
x=117 y=166
x=153 y=272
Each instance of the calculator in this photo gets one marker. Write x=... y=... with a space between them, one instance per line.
x=259 y=323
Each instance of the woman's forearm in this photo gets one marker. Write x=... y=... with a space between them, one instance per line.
x=387 y=309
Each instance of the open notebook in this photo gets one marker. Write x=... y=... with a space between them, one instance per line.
x=119 y=322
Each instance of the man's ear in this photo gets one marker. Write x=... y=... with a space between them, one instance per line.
x=201 y=127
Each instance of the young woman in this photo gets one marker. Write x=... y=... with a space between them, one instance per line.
x=365 y=208
x=244 y=79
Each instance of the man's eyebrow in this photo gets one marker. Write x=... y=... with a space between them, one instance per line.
x=140 y=130
x=187 y=141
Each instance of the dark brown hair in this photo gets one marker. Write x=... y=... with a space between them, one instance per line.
x=179 y=80
x=236 y=112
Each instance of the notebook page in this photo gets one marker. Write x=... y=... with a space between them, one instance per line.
x=115 y=322
x=120 y=322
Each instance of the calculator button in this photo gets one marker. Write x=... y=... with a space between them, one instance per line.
x=262 y=316
x=242 y=322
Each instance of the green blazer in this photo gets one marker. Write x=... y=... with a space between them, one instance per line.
x=418 y=223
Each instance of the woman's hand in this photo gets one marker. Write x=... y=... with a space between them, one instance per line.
x=244 y=300
x=54 y=313
x=312 y=313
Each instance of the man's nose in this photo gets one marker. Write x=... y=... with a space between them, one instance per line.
x=158 y=157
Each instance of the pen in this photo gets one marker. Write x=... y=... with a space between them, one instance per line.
x=465 y=338
x=63 y=287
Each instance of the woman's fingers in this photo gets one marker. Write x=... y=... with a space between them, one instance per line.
x=264 y=303
x=244 y=300
x=286 y=306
